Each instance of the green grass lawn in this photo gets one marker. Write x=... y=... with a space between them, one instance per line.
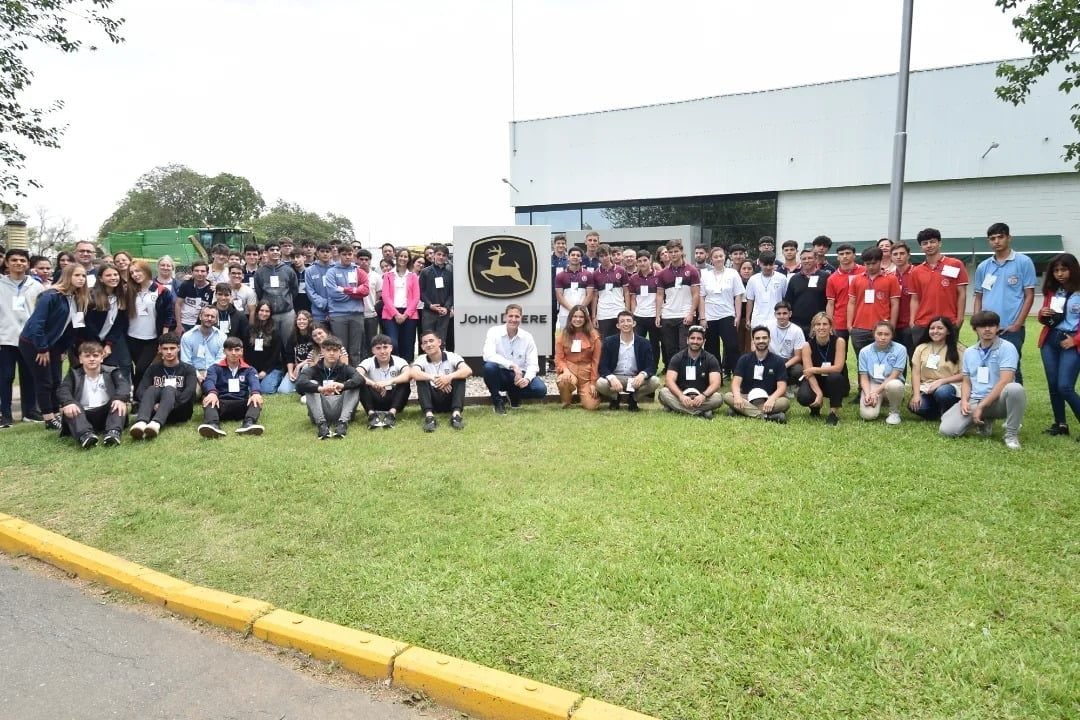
x=682 y=568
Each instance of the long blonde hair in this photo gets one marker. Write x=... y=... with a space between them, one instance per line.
x=64 y=286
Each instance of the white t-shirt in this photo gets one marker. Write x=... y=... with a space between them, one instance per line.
x=719 y=290
x=785 y=342
x=765 y=292
x=444 y=366
x=244 y=298
x=371 y=368
x=93 y=393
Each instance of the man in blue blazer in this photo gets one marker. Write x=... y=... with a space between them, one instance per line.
x=627 y=366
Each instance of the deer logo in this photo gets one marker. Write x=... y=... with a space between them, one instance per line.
x=497 y=269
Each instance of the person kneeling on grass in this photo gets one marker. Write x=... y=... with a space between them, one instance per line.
x=93 y=398
x=230 y=392
x=881 y=372
x=759 y=385
x=332 y=389
x=440 y=381
x=386 y=383
x=166 y=393
x=989 y=389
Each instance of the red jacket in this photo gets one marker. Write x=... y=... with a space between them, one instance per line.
x=1046 y=331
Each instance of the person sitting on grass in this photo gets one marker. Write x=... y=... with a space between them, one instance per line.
x=332 y=389
x=202 y=345
x=935 y=371
x=824 y=369
x=231 y=392
x=989 y=389
x=262 y=348
x=440 y=381
x=93 y=398
x=759 y=385
x=627 y=366
x=692 y=379
x=166 y=394
x=881 y=372
x=386 y=383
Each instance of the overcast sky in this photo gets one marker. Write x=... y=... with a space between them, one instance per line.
x=396 y=114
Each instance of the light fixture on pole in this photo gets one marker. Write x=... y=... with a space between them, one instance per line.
x=993 y=145
x=510 y=184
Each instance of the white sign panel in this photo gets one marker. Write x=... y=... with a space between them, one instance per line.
x=495 y=267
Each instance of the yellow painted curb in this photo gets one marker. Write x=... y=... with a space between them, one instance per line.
x=18 y=537
x=368 y=655
x=481 y=691
x=596 y=710
x=220 y=608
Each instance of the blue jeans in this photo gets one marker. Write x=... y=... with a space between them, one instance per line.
x=269 y=384
x=500 y=380
x=933 y=406
x=1017 y=339
x=403 y=337
x=1062 y=369
x=286 y=385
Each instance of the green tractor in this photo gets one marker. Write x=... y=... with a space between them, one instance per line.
x=183 y=245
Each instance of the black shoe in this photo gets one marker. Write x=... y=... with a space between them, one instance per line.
x=374 y=422
x=515 y=404
x=54 y=424
x=707 y=415
x=1056 y=430
x=341 y=429
x=33 y=417
x=250 y=427
x=211 y=430
x=614 y=403
x=498 y=404
x=429 y=423
x=6 y=422
x=832 y=419
x=457 y=422
x=631 y=404
x=323 y=431
x=88 y=440
x=389 y=421
x=776 y=417
x=815 y=412
x=112 y=438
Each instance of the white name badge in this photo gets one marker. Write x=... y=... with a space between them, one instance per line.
x=878 y=371
x=988 y=282
x=575 y=346
x=275 y=281
x=691 y=372
x=932 y=361
x=225 y=326
x=19 y=302
x=91 y=281
x=439 y=283
x=868 y=296
x=678 y=282
x=327 y=383
x=812 y=281
x=608 y=286
x=78 y=321
x=302 y=288
x=201 y=352
x=950 y=271
x=573 y=286
x=170 y=382
x=258 y=344
x=983 y=374
x=234 y=385
x=1057 y=304
x=251 y=282
x=350 y=277
x=759 y=372
x=643 y=290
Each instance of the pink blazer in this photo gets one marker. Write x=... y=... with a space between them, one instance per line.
x=412 y=295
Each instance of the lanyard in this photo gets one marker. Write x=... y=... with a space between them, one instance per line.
x=823 y=354
x=984 y=359
x=879 y=356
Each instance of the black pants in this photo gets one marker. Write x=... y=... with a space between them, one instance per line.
x=394 y=399
x=860 y=339
x=834 y=387
x=433 y=321
x=607 y=328
x=167 y=411
x=646 y=327
x=47 y=378
x=673 y=332
x=143 y=353
x=723 y=331
x=10 y=359
x=371 y=329
x=432 y=400
x=99 y=419
x=231 y=409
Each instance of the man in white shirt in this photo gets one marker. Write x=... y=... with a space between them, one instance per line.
x=440 y=381
x=511 y=363
x=786 y=340
x=386 y=383
x=764 y=290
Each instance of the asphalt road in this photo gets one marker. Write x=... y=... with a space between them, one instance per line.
x=66 y=653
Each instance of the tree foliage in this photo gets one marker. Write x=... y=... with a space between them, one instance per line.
x=177 y=196
x=287 y=219
x=27 y=25
x=1052 y=29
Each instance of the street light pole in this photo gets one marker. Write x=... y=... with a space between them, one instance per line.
x=896 y=187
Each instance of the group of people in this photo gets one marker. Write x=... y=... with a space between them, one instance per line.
x=803 y=314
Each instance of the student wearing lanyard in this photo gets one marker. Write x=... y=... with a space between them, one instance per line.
x=881 y=372
x=572 y=286
x=759 y=385
x=203 y=345
x=609 y=292
x=386 y=384
x=107 y=319
x=150 y=315
x=692 y=379
x=824 y=369
x=874 y=297
x=1059 y=341
x=720 y=305
x=935 y=371
x=230 y=392
x=332 y=388
x=166 y=393
x=18 y=296
x=989 y=389
x=577 y=356
x=641 y=287
x=678 y=288
x=440 y=381
x=1005 y=283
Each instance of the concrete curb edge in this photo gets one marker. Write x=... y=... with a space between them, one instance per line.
x=459 y=684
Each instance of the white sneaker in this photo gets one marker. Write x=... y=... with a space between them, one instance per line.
x=1012 y=442
x=893 y=419
x=136 y=431
x=152 y=429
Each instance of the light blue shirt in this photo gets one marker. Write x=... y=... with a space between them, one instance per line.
x=1000 y=356
x=1072 y=312
x=1011 y=278
x=201 y=351
x=893 y=358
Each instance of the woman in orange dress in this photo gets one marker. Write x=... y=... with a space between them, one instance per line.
x=577 y=357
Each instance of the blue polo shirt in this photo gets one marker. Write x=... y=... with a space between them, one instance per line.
x=1000 y=356
x=1071 y=321
x=892 y=358
x=1005 y=296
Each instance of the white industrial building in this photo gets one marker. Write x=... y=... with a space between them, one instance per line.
x=816 y=158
